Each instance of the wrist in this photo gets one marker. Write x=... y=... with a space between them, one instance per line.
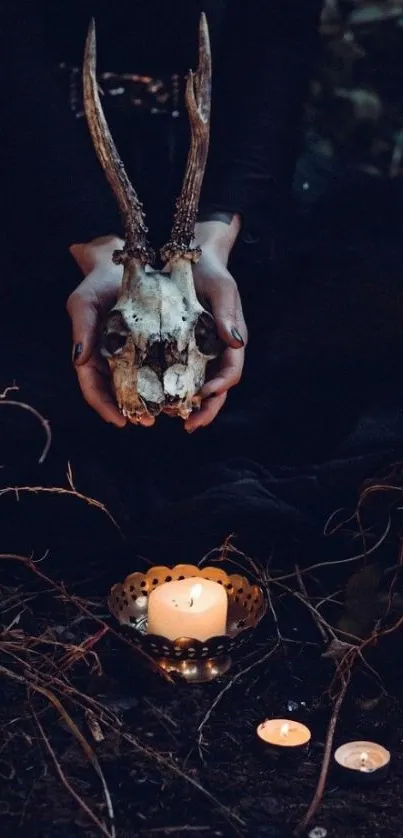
x=219 y=236
x=97 y=252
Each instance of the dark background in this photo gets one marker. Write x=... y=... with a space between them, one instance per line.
x=318 y=412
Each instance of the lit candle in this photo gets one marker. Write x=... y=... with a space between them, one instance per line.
x=283 y=733
x=362 y=761
x=192 y=607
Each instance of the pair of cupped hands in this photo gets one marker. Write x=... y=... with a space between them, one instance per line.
x=215 y=288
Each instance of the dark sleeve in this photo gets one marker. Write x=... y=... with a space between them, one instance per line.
x=260 y=78
x=54 y=168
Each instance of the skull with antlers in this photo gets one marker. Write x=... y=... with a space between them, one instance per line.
x=157 y=338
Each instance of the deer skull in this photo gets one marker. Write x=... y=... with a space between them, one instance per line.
x=157 y=338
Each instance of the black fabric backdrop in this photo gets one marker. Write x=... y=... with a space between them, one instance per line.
x=318 y=411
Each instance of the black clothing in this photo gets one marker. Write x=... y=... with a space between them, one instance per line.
x=331 y=396
x=262 y=56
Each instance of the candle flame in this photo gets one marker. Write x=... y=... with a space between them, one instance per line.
x=284 y=730
x=363 y=758
x=194 y=593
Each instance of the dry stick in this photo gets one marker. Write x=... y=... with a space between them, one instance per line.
x=75 y=652
x=273 y=610
x=86 y=747
x=13 y=388
x=223 y=554
x=68 y=786
x=345 y=669
x=77 y=601
x=350 y=559
x=110 y=721
x=149 y=752
x=159 y=712
x=304 y=591
x=318 y=615
x=378 y=487
x=58 y=685
x=224 y=691
x=341 y=561
x=143 y=749
x=44 y=422
x=80 y=739
x=154 y=755
x=58 y=490
x=315 y=803
x=330 y=598
x=66 y=690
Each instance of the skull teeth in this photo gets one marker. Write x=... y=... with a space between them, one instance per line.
x=132 y=415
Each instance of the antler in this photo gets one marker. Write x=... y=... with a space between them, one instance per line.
x=136 y=244
x=198 y=101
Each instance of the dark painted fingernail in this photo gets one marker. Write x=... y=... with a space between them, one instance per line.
x=77 y=351
x=237 y=336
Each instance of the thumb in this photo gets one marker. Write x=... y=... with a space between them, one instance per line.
x=84 y=319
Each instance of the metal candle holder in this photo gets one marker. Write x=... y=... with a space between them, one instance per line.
x=194 y=660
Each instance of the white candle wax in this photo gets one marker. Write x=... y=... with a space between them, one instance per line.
x=192 y=607
x=365 y=757
x=284 y=733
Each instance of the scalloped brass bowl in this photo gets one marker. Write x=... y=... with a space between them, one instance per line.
x=194 y=660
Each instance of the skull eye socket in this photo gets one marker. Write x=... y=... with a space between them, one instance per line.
x=113 y=342
x=206 y=337
x=114 y=334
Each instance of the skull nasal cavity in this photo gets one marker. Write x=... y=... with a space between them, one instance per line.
x=115 y=333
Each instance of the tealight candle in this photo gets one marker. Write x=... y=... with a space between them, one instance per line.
x=283 y=734
x=362 y=762
x=193 y=607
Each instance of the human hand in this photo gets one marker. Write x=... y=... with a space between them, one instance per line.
x=87 y=306
x=96 y=295
x=217 y=290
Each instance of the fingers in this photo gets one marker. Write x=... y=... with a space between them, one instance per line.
x=214 y=392
x=84 y=317
x=226 y=308
x=146 y=421
x=228 y=374
x=83 y=307
x=209 y=410
x=95 y=387
x=91 y=373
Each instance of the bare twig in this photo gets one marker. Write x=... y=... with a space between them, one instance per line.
x=68 y=786
x=36 y=687
x=59 y=490
x=319 y=622
x=171 y=766
x=226 y=689
x=316 y=800
x=81 y=606
x=44 y=422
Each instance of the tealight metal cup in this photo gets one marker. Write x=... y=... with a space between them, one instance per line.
x=348 y=770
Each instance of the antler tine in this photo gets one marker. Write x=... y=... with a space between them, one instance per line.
x=198 y=102
x=136 y=245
